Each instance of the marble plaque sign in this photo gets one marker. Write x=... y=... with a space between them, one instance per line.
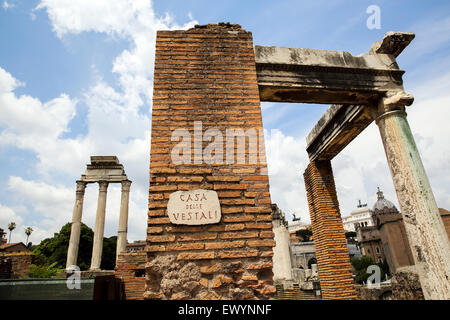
x=194 y=207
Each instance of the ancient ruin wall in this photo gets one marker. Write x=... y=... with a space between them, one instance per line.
x=130 y=268
x=329 y=238
x=208 y=74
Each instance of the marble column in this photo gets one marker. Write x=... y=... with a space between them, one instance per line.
x=424 y=227
x=99 y=227
x=72 y=252
x=123 y=218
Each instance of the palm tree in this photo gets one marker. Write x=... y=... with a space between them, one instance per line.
x=28 y=231
x=11 y=227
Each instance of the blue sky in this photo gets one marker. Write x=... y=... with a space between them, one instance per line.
x=76 y=80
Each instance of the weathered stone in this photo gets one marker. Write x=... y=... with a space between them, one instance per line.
x=150 y=295
x=104 y=170
x=249 y=278
x=264 y=265
x=406 y=286
x=267 y=290
x=393 y=43
x=204 y=282
x=241 y=294
x=210 y=269
x=221 y=280
x=303 y=75
x=210 y=295
x=424 y=226
x=180 y=296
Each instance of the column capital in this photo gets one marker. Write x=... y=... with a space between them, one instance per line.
x=81 y=186
x=126 y=184
x=394 y=100
x=103 y=185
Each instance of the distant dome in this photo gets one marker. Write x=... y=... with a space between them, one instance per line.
x=382 y=203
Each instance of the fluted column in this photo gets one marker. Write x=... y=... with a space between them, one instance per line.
x=424 y=227
x=72 y=252
x=99 y=227
x=123 y=218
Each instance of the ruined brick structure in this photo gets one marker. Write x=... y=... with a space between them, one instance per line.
x=211 y=77
x=329 y=238
x=208 y=74
x=5 y=267
x=130 y=268
x=16 y=265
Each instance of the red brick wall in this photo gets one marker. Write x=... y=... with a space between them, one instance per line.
x=208 y=74
x=329 y=237
x=19 y=263
x=130 y=267
x=5 y=267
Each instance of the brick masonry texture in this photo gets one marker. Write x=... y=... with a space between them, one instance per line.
x=208 y=74
x=16 y=265
x=130 y=268
x=329 y=237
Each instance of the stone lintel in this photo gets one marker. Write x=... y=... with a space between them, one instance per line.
x=339 y=125
x=104 y=160
x=324 y=76
x=107 y=168
x=109 y=178
x=393 y=43
x=319 y=58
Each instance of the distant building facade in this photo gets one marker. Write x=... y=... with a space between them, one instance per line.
x=386 y=239
x=445 y=215
x=369 y=241
x=360 y=217
x=18 y=247
x=295 y=226
x=136 y=246
x=389 y=222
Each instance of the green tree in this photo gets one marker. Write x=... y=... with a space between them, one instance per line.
x=55 y=249
x=109 y=253
x=360 y=266
x=11 y=227
x=44 y=271
x=305 y=234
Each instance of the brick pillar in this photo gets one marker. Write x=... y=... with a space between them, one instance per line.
x=208 y=74
x=329 y=238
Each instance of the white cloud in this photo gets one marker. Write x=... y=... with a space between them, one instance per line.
x=118 y=119
x=118 y=123
x=6 y=5
x=286 y=161
x=133 y=20
x=431 y=34
x=362 y=165
x=26 y=117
